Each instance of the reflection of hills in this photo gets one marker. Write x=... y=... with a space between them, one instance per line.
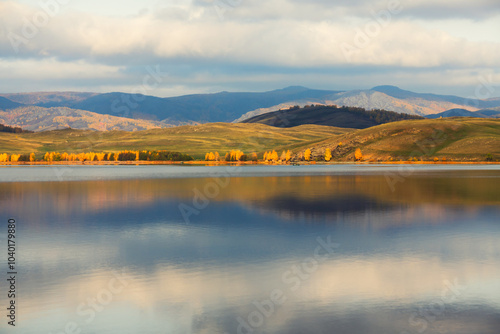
x=295 y=207
x=309 y=196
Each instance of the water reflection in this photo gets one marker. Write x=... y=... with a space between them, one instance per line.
x=399 y=253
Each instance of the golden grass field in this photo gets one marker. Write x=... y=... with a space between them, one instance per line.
x=448 y=139
x=193 y=140
x=455 y=139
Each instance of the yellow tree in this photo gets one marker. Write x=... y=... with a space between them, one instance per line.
x=64 y=156
x=307 y=155
x=274 y=156
x=328 y=154
x=211 y=156
x=32 y=157
x=81 y=157
x=15 y=157
x=217 y=156
x=4 y=157
x=283 y=156
x=288 y=155
x=239 y=154
x=100 y=156
x=207 y=156
x=265 y=156
x=358 y=155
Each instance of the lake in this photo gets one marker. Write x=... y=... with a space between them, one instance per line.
x=257 y=249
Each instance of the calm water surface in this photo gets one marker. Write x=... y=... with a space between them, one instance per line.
x=314 y=249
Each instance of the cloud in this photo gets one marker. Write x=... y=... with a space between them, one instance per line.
x=285 y=39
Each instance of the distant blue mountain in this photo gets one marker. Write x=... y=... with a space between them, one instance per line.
x=203 y=108
x=6 y=104
x=465 y=113
x=229 y=106
x=405 y=94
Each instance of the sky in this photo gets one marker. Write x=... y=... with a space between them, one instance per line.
x=176 y=47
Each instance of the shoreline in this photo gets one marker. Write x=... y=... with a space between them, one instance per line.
x=223 y=163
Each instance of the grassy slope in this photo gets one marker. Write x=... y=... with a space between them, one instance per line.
x=453 y=138
x=194 y=140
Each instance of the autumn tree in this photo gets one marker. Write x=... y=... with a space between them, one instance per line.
x=274 y=156
x=15 y=157
x=288 y=156
x=283 y=156
x=307 y=155
x=32 y=157
x=100 y=156
x=358 y=155
x=328 y=154
x=211 y=156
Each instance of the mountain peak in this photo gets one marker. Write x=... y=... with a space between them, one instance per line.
x=294 y=89
x=394 y=91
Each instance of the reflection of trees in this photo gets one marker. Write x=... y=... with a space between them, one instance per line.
x=309 y=194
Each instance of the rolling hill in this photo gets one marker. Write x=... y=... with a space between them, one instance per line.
x=193 y=140
x=451 y=138
x=42 y=119
x=344 y=117
x=466 y=113
x=6 y=104
x=48 y=99
x=457 y=139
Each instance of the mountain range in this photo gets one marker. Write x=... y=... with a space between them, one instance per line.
x=122 y=111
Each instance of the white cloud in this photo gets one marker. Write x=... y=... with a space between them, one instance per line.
x=289 y=38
